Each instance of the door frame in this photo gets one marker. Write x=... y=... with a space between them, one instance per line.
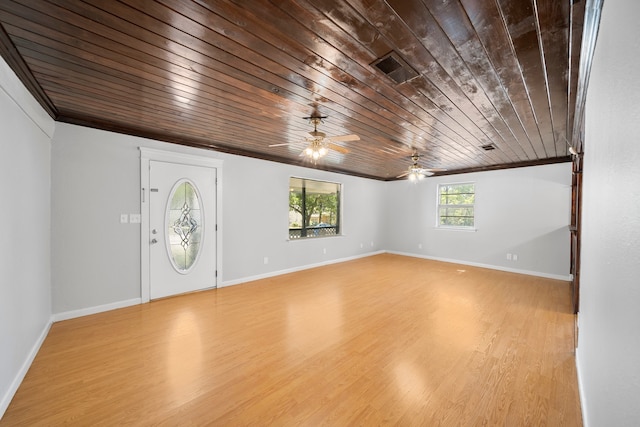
x=576 y=230
x=147 y=155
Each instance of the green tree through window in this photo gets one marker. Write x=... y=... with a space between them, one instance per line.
x=314 y=208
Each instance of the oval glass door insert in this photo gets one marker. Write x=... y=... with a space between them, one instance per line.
x=184 y=226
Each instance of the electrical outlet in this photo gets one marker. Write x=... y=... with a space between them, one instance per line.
x=515 y=257
x=419 y=245
x=361 y=245
x=124 y=218
x=508 y=257
x=371 y=244
x=324 y=250
x=266 y=260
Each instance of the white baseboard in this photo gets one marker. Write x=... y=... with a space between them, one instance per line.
x=489 y=266
x=17 y=380
x=93 y=310
x=294 y=269
x=581 y=394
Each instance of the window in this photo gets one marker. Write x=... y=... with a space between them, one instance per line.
x=314 y=208
x=456 y=205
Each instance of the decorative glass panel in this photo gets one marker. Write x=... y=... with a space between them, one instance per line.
x=184 y=226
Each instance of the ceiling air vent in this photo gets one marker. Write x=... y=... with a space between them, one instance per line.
x=488 y=147
x=395 y=67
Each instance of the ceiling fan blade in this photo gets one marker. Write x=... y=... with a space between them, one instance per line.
x=345 y=138
x=338 y=148
x=434 y=170
x=402 y=175
x=282 y=145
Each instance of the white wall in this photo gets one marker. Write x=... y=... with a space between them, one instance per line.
x=96 y=177
x=524 y=211
x=609 y=339
x=25 y=288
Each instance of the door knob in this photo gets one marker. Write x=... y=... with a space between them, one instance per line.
x=154 y=241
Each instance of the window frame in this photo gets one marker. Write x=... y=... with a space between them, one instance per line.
x=472 y=206
x=339 y=212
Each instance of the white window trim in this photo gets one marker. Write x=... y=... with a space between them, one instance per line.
x=454 y=227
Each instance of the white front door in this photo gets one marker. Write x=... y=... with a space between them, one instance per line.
x=182 y=228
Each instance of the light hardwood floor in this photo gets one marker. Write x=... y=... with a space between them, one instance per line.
x=380 y=340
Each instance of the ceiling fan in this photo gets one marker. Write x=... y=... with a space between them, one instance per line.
x=319 y=142
x=416 y=172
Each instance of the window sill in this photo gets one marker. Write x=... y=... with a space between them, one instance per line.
x=467 y=229
x=301 y=239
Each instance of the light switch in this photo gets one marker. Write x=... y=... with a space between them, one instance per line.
x=134 y=218
x=124 y=218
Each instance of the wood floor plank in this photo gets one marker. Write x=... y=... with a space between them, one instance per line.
x=383 y=340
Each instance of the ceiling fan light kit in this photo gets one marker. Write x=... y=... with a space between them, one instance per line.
x=415 y=176
x=316 y=150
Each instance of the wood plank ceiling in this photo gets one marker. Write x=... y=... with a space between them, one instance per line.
x=237 y=76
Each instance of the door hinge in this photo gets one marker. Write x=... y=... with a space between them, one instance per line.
x=216 y=227
x=216 y=273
